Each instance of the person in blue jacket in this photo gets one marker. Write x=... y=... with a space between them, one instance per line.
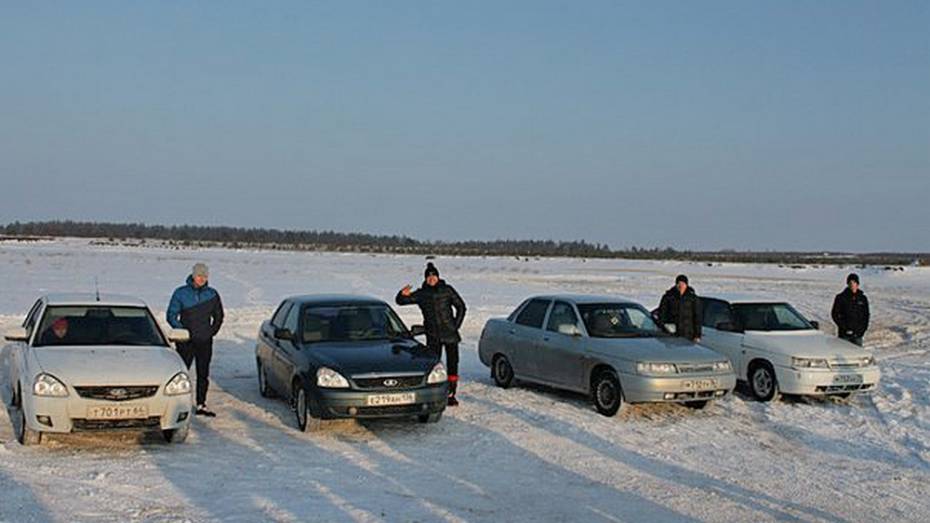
x=196 y=307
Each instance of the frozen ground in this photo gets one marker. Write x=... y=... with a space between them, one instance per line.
x=524 y=454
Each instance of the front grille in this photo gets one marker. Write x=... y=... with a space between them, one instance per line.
x=394 y=410
x=388 y=382
x=695 y=368
x=828 y=389
x=117 y=393
x=845 y=365
x=80 y=424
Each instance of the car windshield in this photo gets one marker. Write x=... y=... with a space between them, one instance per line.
x=351 y=323
x=769 y=317
x=618 y=320
x=98 y=325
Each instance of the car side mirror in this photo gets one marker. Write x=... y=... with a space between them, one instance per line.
x=569 y=329
x=179 y=335
x=671 y=327
x=815 y=324
x=417 y=330
x=283 y=334
x=16 y=334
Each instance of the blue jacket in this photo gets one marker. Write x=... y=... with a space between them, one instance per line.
x=200 y=311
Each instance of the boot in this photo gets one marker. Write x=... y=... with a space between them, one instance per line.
x=453 y=385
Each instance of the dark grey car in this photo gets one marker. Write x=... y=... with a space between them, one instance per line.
x=335 y=356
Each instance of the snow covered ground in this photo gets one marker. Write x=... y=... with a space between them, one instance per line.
x=523 y=454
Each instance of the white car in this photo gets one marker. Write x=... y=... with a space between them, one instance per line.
x=777 y=350
x=95 y=363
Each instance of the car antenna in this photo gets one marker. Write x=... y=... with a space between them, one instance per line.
x=97 y=288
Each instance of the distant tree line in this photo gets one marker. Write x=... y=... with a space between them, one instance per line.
x=311 y=240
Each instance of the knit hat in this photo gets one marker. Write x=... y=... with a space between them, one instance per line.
x=200 y=269
x=852 y=277
x=680 y=278
x=430 y=270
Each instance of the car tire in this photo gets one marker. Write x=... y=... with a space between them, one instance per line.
x=607 y=394
x=263 y=388
x=305 y=420
x=502 y=371
x=763 y=384
x=178 y=435
x=430 y=418
x=698 y=404
x=24 y=435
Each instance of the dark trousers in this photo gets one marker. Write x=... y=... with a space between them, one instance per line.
x=201 y=352
x=452 y=362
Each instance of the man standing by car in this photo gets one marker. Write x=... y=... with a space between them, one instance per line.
x=196 y=307
x=681 y=306
x=443 y=313
x=851 y=311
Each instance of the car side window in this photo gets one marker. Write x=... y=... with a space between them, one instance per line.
x=278 y=320
x=533 y=314
x=562 y=314
x=31 y=318
x=716 y=312
x=293 y=318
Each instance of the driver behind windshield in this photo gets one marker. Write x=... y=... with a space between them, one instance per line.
x=57 y=333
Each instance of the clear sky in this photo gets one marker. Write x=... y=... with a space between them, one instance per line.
x=747 y=125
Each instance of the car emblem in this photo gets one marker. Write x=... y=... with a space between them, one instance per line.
x=119 y=393
x=391 y=383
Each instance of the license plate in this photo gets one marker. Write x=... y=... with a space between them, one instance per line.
x=699 y=384
x=117 y=412
x=383 y=400
x=847 y=379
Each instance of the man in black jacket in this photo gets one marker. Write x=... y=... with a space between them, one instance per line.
x=851 y=311
x=681 y=306
x=443 y=313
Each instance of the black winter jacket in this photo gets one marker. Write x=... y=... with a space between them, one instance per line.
x=682 y=310
x=437 y=304
x=851 y=313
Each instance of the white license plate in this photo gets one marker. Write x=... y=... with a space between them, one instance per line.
x=117 y=412
x=699 y=384
x=847 y=379
x=384 y=400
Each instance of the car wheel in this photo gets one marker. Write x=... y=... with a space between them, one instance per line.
x=501 y=371
x=305 y=420
x=178 y=435
x=430 y=418
x=607 y=394
x=263 y=387
x=762 y=382
x=26 y=436
x=697 y=405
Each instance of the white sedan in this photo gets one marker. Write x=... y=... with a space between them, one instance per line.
x=776 y=350
x=97 y=363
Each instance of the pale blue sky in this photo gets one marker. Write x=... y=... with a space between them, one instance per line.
x=761 y=125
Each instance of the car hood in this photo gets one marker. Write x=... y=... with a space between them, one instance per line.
x=374 y=356
x=666 y=349
x=806 y=343
x=110 y=365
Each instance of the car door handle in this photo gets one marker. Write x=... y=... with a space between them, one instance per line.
x=546 y=338
x=513 y=331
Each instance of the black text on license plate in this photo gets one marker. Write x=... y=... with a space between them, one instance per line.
x=845 y=379
x=699 y=384
x=384 y=400
x=117 y=412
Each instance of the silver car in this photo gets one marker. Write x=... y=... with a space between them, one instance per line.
x=607 y=347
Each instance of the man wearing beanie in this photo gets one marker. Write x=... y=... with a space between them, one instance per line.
x=681 y=306
x=443 y=313
x=851 y=311
x=196 y=307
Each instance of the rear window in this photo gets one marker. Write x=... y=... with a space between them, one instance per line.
x=98 y=325
x=533 y=314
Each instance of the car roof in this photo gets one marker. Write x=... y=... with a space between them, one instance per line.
x=586 y=298
x=335 y=299
x=89 y=298
x=744 y=298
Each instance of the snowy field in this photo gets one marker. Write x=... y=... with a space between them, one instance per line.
x=523 y=454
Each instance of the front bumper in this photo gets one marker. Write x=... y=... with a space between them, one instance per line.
x=677 y=389
x=339 y=404
x=70 y=414
x=824 y=382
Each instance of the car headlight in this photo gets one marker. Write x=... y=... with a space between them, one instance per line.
x=656 y=368
x=438 y=374
x=329 y=379
x=48 y=385
x=809 y=363
x=722 y=366
x=179 y=384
